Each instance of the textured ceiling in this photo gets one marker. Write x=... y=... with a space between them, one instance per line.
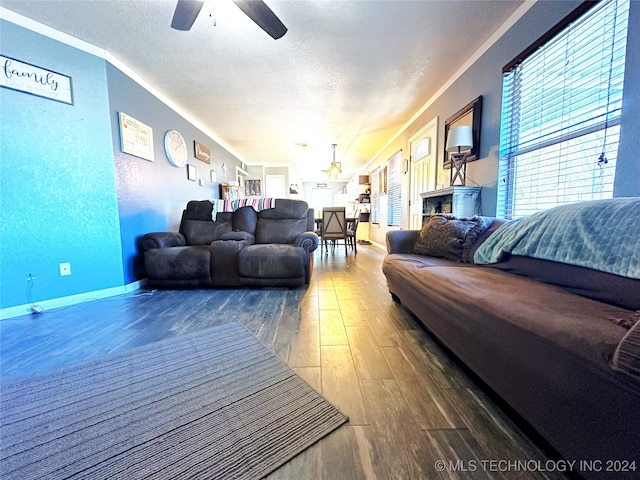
x=346 y=72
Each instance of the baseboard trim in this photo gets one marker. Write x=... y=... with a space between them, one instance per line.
x=26 y=309
x=379 y=245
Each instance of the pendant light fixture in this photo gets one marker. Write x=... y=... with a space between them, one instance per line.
x=336 y=167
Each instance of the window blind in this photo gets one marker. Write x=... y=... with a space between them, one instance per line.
x=394 y=190
x=561 y=109
x=375 y=197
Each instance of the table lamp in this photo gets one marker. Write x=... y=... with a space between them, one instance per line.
x=459 y=144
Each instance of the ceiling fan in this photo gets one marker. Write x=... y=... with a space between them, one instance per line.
x=187 y=11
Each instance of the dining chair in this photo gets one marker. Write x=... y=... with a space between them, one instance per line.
x=352 y=228
x=334 y=228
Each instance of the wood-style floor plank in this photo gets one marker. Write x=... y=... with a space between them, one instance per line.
x=340 y=456
x=305 y=346
x=440 y=368
x=383 y=329
x=428 y=412
x=332 y=330
x=399 y=447
x=463 y=453
x=368 y=358
x=340 y=383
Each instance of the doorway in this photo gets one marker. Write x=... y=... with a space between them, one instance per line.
x=274 y=186
x=424 y=155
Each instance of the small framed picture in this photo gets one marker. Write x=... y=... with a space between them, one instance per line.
x=212 y=176
x=192 y=172
x=253 y=188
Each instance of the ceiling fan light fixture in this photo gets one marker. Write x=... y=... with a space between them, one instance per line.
x=335 y=170
x=336 y=167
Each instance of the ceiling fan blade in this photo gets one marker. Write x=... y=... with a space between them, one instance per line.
x=263 y=16
x=186 y=13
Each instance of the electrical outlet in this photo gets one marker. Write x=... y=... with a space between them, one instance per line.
x=65 y=269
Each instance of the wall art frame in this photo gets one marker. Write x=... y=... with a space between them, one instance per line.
x=41 y=82
x=469 y=115
x=253 y=188
x=136 y=138
x=192 y=172
x=202 y=152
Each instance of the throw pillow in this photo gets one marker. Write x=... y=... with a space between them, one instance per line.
x=450 y=237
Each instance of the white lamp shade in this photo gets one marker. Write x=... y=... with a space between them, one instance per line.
x=460 y=139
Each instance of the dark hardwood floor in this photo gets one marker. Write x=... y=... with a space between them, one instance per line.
x=408 y=402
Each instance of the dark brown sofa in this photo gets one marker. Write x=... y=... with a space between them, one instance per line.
x=544 y=335
x=272 y=247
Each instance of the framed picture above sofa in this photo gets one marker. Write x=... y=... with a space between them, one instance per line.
x=253 y=188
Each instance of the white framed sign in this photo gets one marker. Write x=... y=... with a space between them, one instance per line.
x=27 y=78
x=136 y=138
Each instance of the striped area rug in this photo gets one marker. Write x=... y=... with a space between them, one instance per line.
x=212 y=404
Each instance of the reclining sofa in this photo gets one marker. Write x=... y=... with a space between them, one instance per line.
x=272 y=247
x=545 y=310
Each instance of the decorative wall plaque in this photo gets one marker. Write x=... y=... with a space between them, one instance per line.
x=24 y=77
x=136 y=138
x=202 y=153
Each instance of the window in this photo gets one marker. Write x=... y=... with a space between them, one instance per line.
x=422 y=149
x=375 y=196
x=394 y=190
x=561 y=106
x=321 y=197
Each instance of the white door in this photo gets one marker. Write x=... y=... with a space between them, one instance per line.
x=274 y=186
x=424 y=156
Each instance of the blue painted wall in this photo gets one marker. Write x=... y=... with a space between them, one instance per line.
x=152 y=195
x=68 y=193
x=58 y=197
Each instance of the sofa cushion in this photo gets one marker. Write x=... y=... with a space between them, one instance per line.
x=286 y=208
x=178 y=263
x=284 y=230
x=271 y=261
x=245 y=219
x=203 y=232
x=605 y=287
x=450 y=237
x=198 y=210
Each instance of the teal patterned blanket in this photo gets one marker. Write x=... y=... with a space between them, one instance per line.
x=601 y=234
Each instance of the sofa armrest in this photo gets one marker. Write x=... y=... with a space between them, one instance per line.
x=307 y=240
x=401 y=241
x=153 y=240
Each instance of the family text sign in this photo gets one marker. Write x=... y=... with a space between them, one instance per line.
x=136 y=138
x=24 y=77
